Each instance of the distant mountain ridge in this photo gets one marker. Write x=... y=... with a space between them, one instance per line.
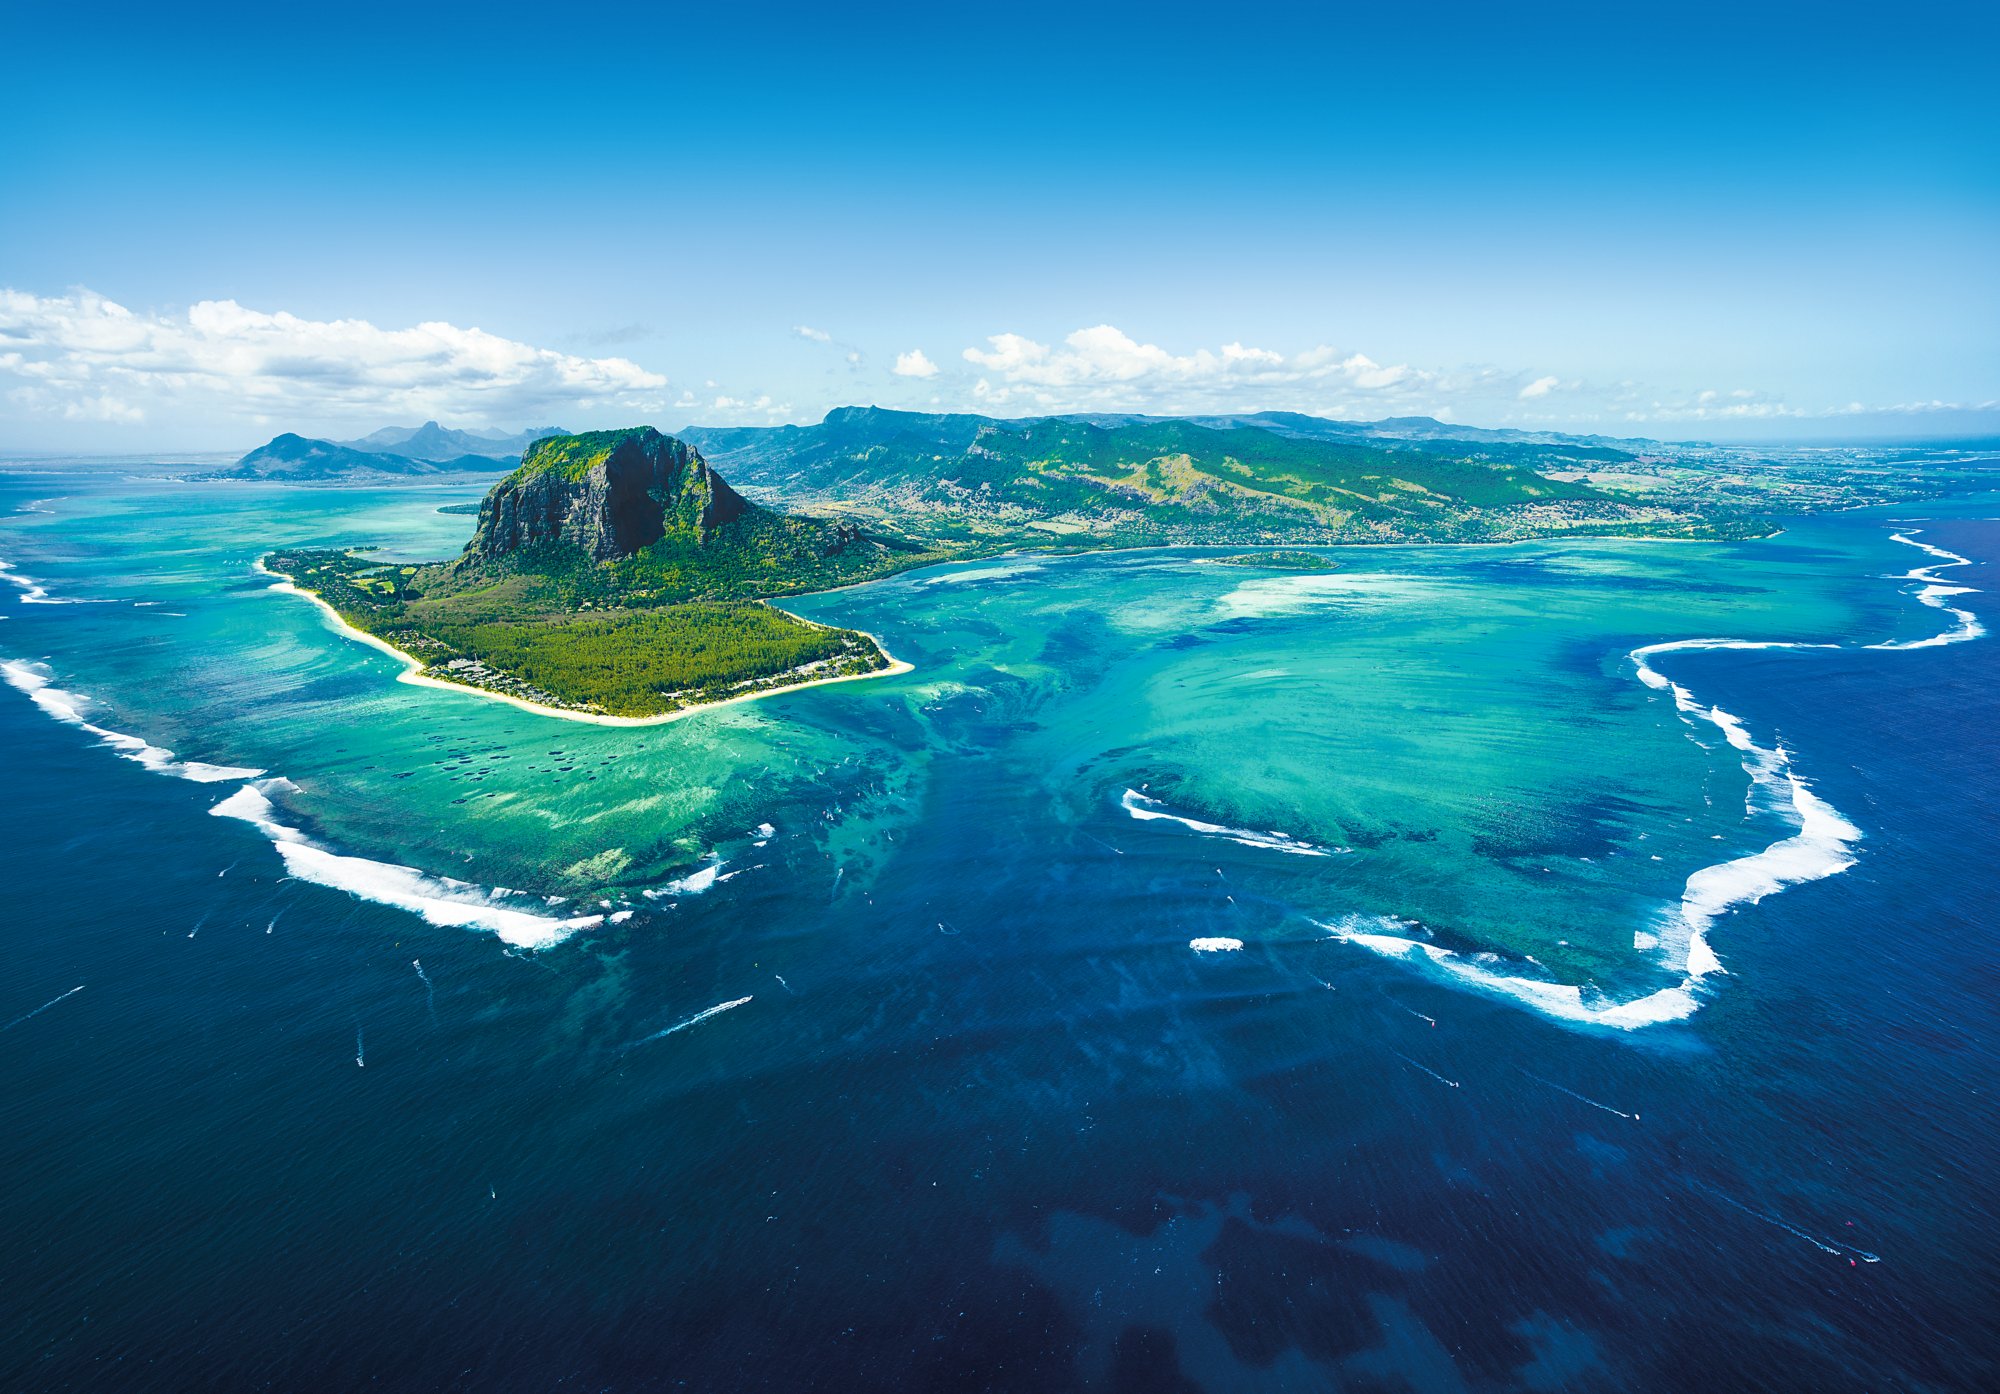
x=1114 y=479
x=870 y=424
x=431 y=441
x=394 y=452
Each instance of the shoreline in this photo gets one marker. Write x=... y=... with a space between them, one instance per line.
x=413 y=673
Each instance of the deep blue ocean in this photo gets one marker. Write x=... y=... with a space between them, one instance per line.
x=289 y=1139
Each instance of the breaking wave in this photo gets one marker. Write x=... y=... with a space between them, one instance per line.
x=440 y=900
x=1821 y=845
x=68 y=707
x=1934 y=594
x=33 y=592
x=1147 y=809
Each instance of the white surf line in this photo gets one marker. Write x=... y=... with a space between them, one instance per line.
x=1147 y=809
x=33 y=592
x=440 y=900
x=717 y=1010
x=67 y=707
x=1579 y=1097
x=1821 y=847
x=694 y=883
x=1426 y=1069
x=1934 y=594
x=1829 y=1246
x=44 y=1007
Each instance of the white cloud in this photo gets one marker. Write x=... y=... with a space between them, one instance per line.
x=818 y=336
x=762 y=410
x=1104 y=367
x=915 y=364
x=83 y=357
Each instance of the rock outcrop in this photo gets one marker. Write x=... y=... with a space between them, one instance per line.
x=610 y=493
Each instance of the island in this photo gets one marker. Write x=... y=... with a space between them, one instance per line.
x=614 y=577
x=1277 y=561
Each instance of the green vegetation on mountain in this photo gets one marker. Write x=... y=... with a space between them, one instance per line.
x=1134 y=482
x=615 y=573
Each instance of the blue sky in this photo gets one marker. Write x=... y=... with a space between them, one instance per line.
x=1681 y=221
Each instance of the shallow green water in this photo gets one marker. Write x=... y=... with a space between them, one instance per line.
x=1460 y=728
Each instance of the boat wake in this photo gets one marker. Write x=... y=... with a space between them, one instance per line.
x=28 y=1016
x=717 y=1010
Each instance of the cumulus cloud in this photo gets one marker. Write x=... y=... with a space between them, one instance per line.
x=915 y=364
x=818 y=336
x=83 y=357
x=1104 y=367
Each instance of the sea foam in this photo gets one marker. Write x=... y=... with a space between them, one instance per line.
x=1149 y=809
x=694 y=883
x=438 y=899
x=68 y=707
x=1934 y=594
x=33 y=592
x=1821 y=845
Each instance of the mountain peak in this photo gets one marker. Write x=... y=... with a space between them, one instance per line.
x=611 y=493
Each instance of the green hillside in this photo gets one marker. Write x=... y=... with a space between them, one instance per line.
x=981 y=481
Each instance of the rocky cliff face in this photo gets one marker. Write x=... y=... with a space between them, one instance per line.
x=609 y=492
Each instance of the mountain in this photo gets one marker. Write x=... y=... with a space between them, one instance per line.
x=431 y=441
x=303 y=459
x=633 y=516
x=861 y=427
x=1131 y=480
x=612 y=493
